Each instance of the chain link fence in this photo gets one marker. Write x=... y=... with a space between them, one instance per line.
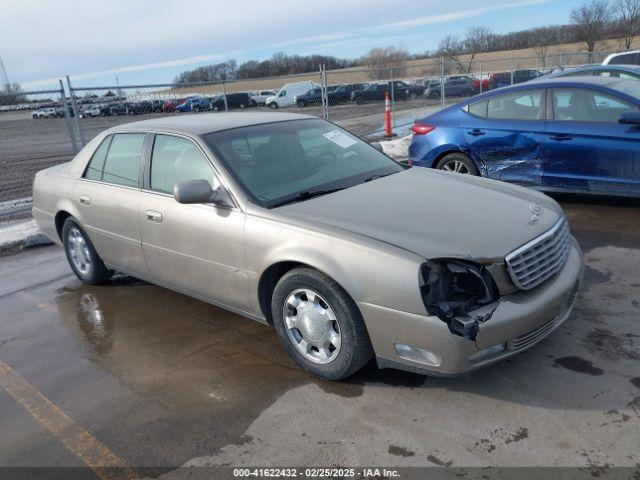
x=46 y=127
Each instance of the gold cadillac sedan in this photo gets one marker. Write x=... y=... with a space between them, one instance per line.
x=291 y=221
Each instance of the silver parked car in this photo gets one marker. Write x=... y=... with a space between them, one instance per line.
x=290 y=220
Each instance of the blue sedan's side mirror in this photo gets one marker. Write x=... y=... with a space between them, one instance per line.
x=630 y=118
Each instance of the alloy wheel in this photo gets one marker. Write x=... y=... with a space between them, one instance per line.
x=456 y=166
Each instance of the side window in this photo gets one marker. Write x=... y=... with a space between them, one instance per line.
x=122 y=164
x=478 y=109
x=283 y=93
x=580 y=105
x=175 y=160
x=524 y=105
x=96 y=165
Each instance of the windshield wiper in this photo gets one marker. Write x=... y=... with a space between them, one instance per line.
x=306 y=195
x=379 y=175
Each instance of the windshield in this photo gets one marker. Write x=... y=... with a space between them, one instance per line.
x=276 y=162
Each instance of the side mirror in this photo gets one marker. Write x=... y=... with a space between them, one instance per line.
x=630 y=118
x=200 y=191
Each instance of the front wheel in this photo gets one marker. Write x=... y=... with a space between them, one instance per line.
x=273 y=105
x=319 y=325
x=82 y=256
x=301 y=104
x=458 y=163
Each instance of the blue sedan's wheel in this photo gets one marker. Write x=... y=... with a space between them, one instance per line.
x=458 y=163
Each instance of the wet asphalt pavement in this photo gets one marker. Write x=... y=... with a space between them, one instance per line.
x=162 y=380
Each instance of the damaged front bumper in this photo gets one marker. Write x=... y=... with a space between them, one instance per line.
x=424 y=344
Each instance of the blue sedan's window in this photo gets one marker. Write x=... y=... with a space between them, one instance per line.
x=581 y=105
x=521 y=105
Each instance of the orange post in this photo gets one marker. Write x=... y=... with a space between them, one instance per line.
x=387 y=114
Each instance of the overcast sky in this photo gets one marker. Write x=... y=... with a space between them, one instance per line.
x=153 y=40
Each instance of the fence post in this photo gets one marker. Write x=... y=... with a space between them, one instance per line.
x=512 y=65
x=441 y=82
x=76 y=113
x=224 y=96
x=393 y=100
x=67 y=117
x=480 y=75
x=324 y=96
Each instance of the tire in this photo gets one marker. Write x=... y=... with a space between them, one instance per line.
x=359 y=100
x=412 y=95
x=434 y=96
x=273 y=106
x=459 y=163
x=82 y=256
x=301 y=104
x=196 y=109
x=242 y=106
x=216 y=108
x=351 y=347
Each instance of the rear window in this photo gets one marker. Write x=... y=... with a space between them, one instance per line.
x=626 y=59
x=522 y=105
x=123 y=159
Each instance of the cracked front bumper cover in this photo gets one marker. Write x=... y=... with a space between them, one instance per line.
x=517 y=316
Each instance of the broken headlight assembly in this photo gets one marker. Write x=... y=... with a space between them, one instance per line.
x=462 y=294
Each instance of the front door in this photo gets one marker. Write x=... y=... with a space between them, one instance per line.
x=107 y=198
x=197 y=249
x=505 y=133
x=586 y=149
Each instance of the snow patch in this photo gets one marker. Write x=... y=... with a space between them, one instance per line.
x=398 y=149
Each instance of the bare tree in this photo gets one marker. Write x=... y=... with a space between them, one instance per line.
x=477 y=41
x=382 y=62
x=11 y=94
x=628 y=13
x=450 y=47
x=591 y=20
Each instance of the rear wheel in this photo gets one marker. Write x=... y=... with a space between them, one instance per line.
x=273 y=105
x=359 y=100
x=82 y=256
x=434 y=95
x=301 y=104
x=319 y=325
x=458 y=163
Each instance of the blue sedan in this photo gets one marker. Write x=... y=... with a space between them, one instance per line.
x=577 y=134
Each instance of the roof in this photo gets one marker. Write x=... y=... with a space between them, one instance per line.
x=209 y=122
x=597 y=81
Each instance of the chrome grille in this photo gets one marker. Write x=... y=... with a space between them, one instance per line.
x=542 y=257
x=530 y=338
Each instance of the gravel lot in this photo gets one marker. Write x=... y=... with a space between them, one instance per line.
x=29 y=145
x=162 y=380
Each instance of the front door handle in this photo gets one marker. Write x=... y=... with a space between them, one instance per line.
x=154 y=216
x=476 y=132
x=85 y=200
x=561 y=138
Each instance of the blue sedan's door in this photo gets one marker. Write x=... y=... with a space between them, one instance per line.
x=505 y=133
x=586 y=149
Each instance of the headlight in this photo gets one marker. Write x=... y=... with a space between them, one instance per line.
x=455 y=291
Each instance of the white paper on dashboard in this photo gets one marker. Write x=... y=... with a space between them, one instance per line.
x=339 y=138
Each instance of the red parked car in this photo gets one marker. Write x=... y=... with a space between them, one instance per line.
x=170 y=105
x=476 y=85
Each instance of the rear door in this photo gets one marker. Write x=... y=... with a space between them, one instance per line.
x=107 y=198
x=586 y=149
x=505 y=133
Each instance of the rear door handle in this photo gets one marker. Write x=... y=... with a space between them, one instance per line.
x=561 y=138
x=85 y=200
x=154 y=216
x=476 y=132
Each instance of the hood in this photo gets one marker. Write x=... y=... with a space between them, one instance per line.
x=435 y=214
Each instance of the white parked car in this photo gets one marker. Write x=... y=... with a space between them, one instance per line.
x=92 y=111
x=286 y=97
x=260 y=96
x=631 y=57
x=44 y=113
